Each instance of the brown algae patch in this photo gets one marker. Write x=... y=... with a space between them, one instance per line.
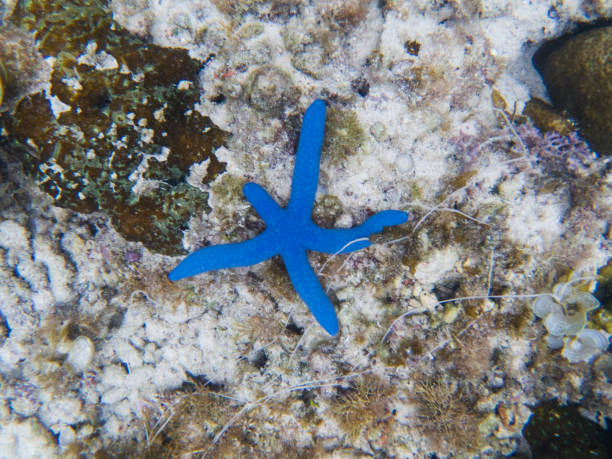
x=117 y=131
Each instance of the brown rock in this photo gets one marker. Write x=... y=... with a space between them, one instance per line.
x=577 y=70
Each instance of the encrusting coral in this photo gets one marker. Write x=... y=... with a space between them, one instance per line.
x=118 y=132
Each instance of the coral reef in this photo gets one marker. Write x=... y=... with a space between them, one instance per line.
x=438 y=352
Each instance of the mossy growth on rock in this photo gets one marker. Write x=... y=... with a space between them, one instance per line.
x=117 y=131
x=363 y=406
x=343 y=134
x=546 y=118
x=327 y=210
x=603 y=318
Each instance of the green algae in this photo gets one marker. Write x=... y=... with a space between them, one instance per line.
x=400 y=354
x=343 y=134
x=327 y=210
x=127 y=117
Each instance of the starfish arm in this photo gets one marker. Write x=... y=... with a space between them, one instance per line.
x=264 y=204
x=309 y=289
x=306 y=170
x=220 y=256
x=380 y=220
x=345 y=240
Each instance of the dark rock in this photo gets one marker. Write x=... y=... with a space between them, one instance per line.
x=577 y=70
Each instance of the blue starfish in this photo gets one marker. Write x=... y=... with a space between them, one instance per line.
x=290 y=231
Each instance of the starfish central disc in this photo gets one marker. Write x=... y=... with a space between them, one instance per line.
x=290 y=231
